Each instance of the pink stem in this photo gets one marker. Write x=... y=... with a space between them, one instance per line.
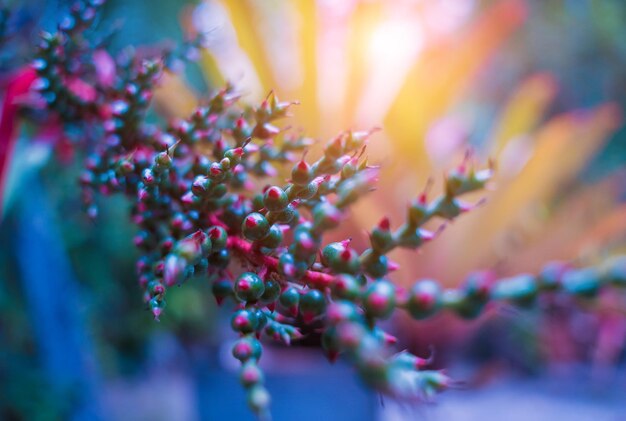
x=245 y=249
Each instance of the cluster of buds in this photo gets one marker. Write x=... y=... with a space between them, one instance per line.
x=206 y=204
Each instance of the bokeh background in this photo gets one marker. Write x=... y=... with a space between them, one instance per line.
x=538 y=86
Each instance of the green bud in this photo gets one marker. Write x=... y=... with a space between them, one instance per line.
x=330 y=343
x=424 y=299
x=326 y=216
x=222 y=288
x=272 y=291
x=417 y=213
x=274 y=238
x=250 y=374
x=346 y=287
x=247 y=348
x=379 y=299
x=284 y=216
x=201 y=186
x=341 y=311
x=551 y=275
x=219 y=259
x=249 y=287
x=582 y=282
x=290 y=299
x=216 y=173
x=446 y=207
x=302 y=173
x=163 y=160
x=521 y=290
x=374 y=263
x=304 y=245
x=275 y=199
x=259 y=399
x=218 y=237
x=255 y=226
x=312 y=304
x=381 y=237
x=340 y=258
x=464 y=306
x=616 y=271
x=244 y=321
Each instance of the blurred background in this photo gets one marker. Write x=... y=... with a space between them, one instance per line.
x=539 y=86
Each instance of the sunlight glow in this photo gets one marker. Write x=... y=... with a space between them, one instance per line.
x=393 y=48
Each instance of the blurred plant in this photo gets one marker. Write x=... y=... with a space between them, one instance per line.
x=201 y=206
x=442 y=76
x=201 y=200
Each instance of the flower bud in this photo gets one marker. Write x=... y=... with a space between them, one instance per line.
x=163 y=160
x=271 y=292
x=274 y=237
x=290 y=299
x=222 y=288
x=345 y=287
x=582 y=282
x=301 y=174
x=250 y=374
x=249 y=287
x=244 y=321
x=340 y=258
x=259 y=400
x=326 y=216
x=219 y=259
x=247 y=348
x=379 y=299
x=218 y=237
x=174 y=271
x=424 y=299
x=255 y=226
x=375 y=264
x=330 y=343
x=312 y=304
x=616 y=271
x=521 y=290
x=275 y=199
